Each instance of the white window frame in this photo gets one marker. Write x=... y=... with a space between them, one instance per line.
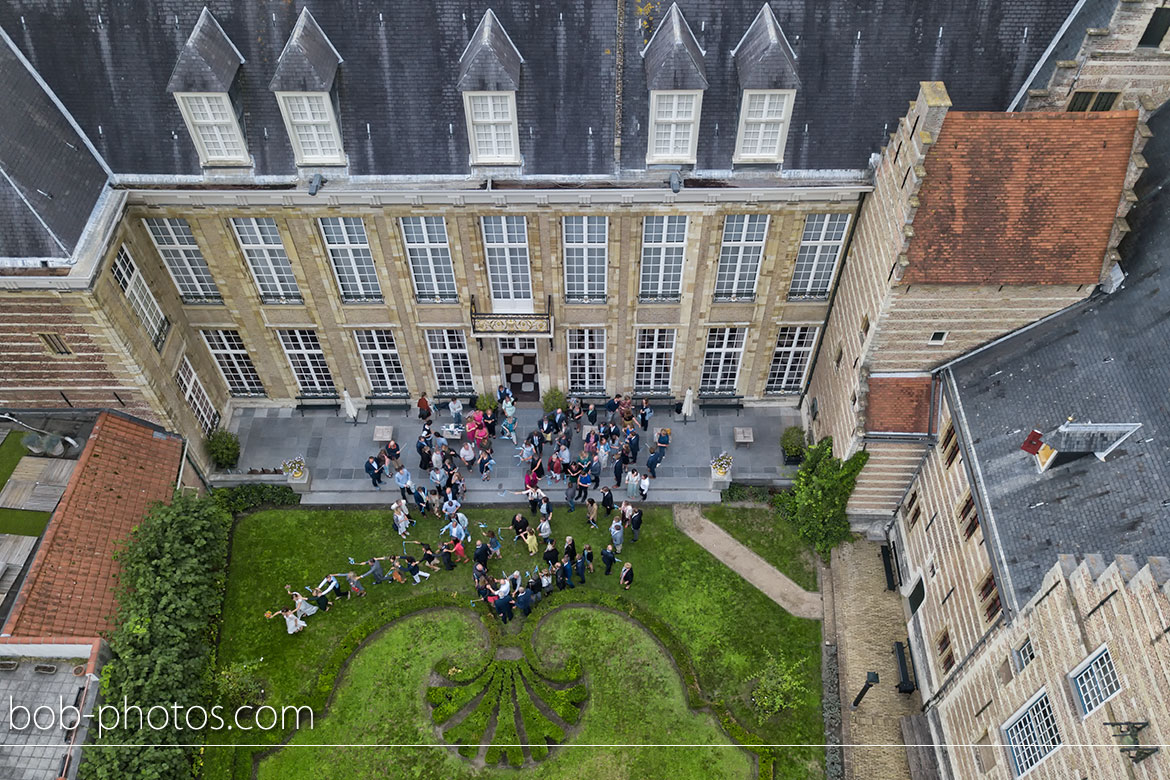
x=774 y=153
x=820 y=250
x=516 y=268
x=431 y=268
x=654 y=359
x=306 y=358
x=228 y=128
x=674 y=155
x=585 y=348
x=586 y=259
x=1090 y=681
x=722 y=360
x=349 y=254
x=267 y=259
x=492 y=156
x=653 y=278
x=382 y=363
x=740 y=256
x=450 y=361
x=1025 y=654
x=196 y=396
x=1028 y=748
x=324 y=129
x=234 y=363
x=791 y=357
x=139 y=297
x=184 y=262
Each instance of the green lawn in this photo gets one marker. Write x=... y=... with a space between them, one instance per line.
x=727 y=628
x=769 y=536
x=17 y=521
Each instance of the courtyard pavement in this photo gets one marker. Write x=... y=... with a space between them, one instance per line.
x=335 y=450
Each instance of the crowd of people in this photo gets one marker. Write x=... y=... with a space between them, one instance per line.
x=612 y=445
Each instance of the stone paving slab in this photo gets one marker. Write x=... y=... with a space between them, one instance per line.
x=765 y=577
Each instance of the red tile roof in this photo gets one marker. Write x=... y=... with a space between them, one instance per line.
x=125 y=467
x=1025 y=198
x=898 y=405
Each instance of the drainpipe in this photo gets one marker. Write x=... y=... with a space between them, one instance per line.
x=833 y=295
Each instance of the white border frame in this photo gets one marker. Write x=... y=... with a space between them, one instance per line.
x=476 y=159
x=1013 y=765
x=205 y=160
x=1102 y=649
x=689 y=159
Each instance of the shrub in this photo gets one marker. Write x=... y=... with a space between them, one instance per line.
x=820 y=492
x=792 y=441
x=552 y=400
x=224 y=448
x=737 y=491
x=173 y=569
x=249 y=496
x=779 y=686
x=486 y=402
x=238 y=686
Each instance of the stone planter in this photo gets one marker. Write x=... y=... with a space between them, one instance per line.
x=300 y=484
x=720 y=481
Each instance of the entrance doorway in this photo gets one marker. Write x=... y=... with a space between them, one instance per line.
x=519 y=368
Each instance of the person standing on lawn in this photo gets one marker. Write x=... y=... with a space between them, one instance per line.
x=524 y=601
x=606 y=501
x=635 y=522
x=587 y=556
x=591 y=512
x=581 y=564
x=551 y=556
x=627 y=578
x=608 y=557
x=374 y=469
x=617 y=533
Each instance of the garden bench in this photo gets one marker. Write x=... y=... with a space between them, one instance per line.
x=318 y=402
x=374 y=402
x=722 y=402
x=905 y=683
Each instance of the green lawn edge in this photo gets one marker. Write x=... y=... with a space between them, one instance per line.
x=763 y=531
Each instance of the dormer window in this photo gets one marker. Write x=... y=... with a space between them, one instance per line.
x=763 y=125
x=491 y=127
x=303 y=84
x=766 y=67
x=203 y=83
x=312 y=127
x=674 y=126
x=214 y=128
x=489 y=76
x=676 y=78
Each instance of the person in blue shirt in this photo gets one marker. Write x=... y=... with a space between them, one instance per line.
x=524 y=601
x=456 y=530
x=635 y=443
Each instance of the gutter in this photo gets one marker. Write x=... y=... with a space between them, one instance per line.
x=833 y=293
x=1047 y=53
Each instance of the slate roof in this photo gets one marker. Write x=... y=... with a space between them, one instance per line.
x=673 y=58
x=1026 y=198
x=49 y=180
x=208 y=61
x=764 y=58
x=491 y=62
x=126 y=467
x=1094 y=13
x=898 y=404
x=1101 y=361
x=309 y=61
x=858 y=65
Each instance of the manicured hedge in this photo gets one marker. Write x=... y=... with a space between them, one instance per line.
x=173 y=570
x=243 y=498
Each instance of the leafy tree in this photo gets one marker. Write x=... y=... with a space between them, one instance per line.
x=820 y=492
x=779 y=686
x=224 y=448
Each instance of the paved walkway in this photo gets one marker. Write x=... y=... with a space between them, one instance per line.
x=747 y=564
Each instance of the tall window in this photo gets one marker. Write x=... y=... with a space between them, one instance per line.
x=721 y=360
x=196 y=396
x=212 y=122
x=260 y=241
x=1032 y=733
x=586 y=253
x=968 y=517
x=449 y=357
x=227 y=348
x=312 y=128
x=492 y=128
x=790 y=360
x=184 y=261
x=1095 y=681
x=430 y=259
x=654 y=359
x=674 y=126
x=946 y=650
x=763 y=125
x=739 y=257
x=380 y=358
x=816 y=261
x=140 y=299
x=353 y=265
x=586 y=360
x=664 y=241
x=506 y=246
x=307 y=360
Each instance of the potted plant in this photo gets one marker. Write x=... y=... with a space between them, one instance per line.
x=552 y=400
x=793 y=445
x=224 y=449
x=485 y=402
x=721 y=465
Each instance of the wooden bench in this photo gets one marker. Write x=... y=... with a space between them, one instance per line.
x=722 y=402
x=318 y=402
x=744 y=436
x=388 y=402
